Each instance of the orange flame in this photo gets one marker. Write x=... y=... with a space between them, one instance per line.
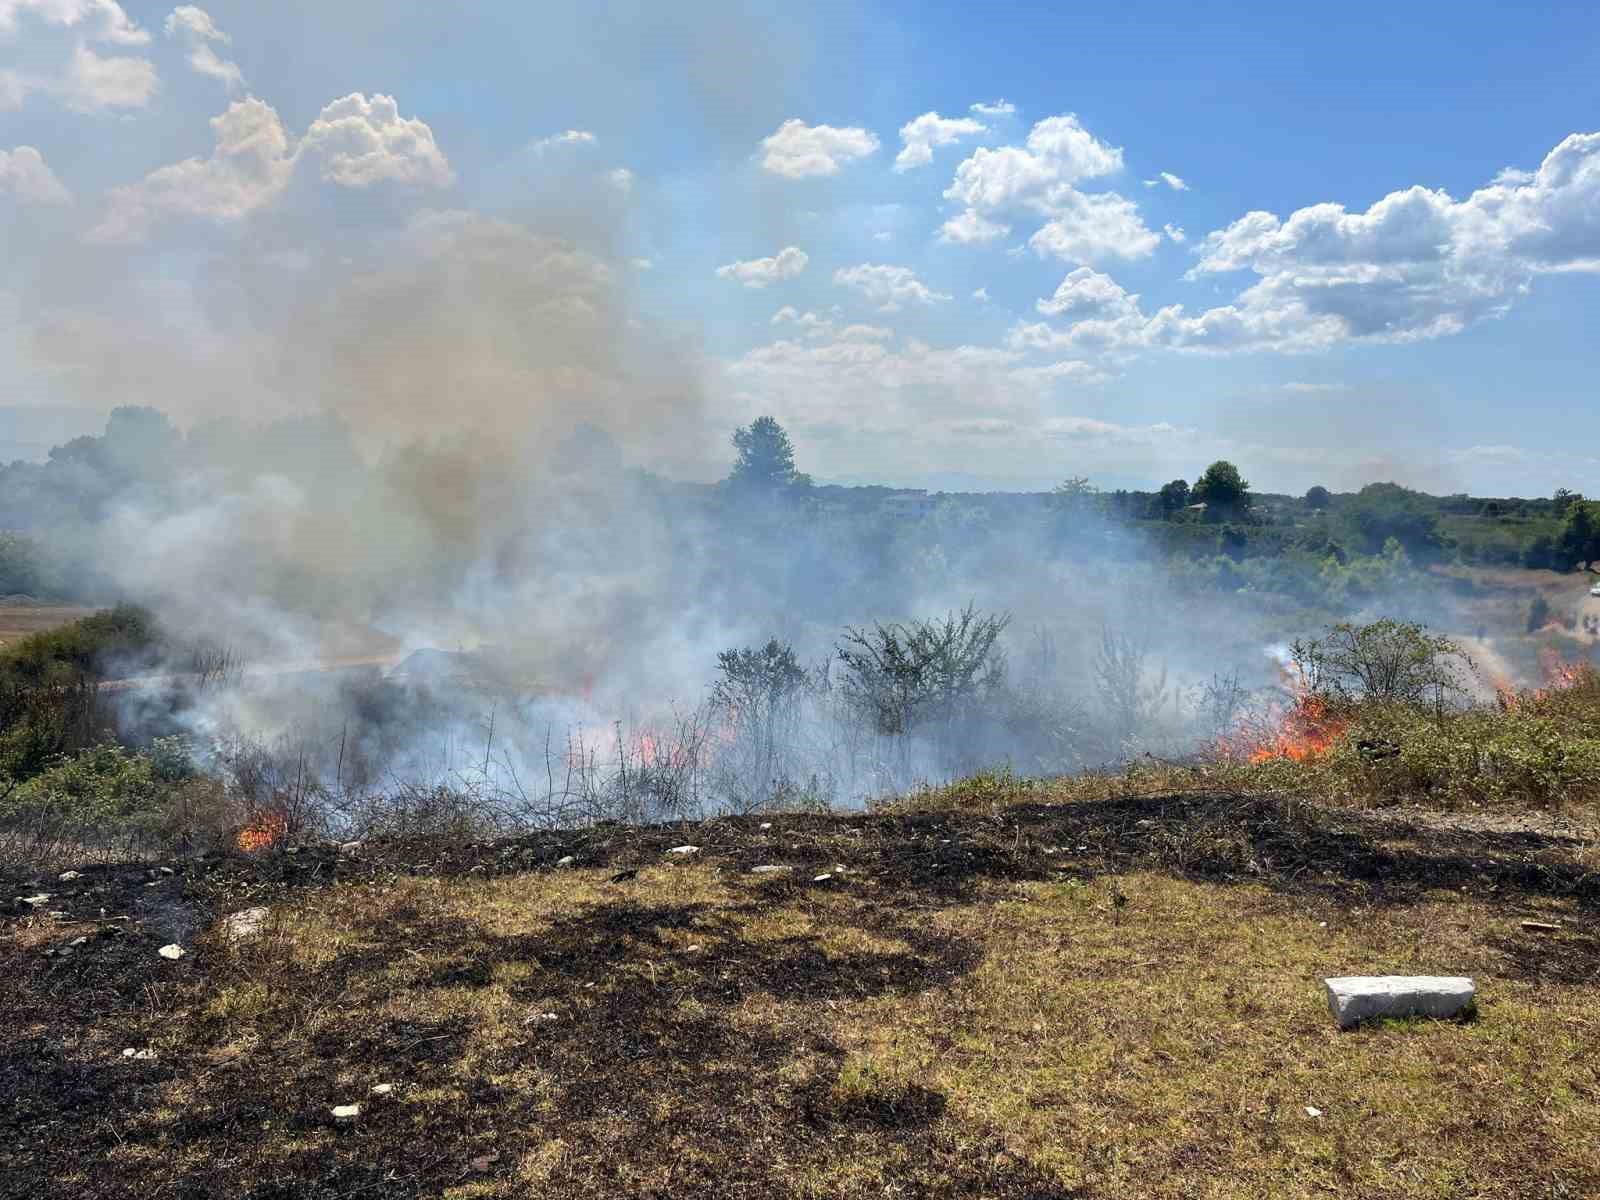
x=1558 y=674
x=1304 y=729
x=263 y=832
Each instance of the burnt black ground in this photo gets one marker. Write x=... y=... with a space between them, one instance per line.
x=62 y=1105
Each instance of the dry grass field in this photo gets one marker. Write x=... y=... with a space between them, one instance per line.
x=975 y=994
x=19 y=620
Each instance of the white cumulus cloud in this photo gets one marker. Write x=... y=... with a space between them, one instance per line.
x=58 y=57
x=355 y=143
x=923 y=133
x=1086 y=292
x=1039 y=179
x=759 y=272
x=24 y=173
x=970 y=228
x=195 y=28
x=361 y=142
x=889 y=288
x=799 y=151
x=1415 y=265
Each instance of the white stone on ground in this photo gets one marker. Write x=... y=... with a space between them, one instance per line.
x=769 y=868
x=684 y=850
x=346 y=1112
x=174 y=952
x=69 y=876
x=246 y=923
x=1356 y=998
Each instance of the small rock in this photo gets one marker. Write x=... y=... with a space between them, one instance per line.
x=823 y=878
x=173 y=951
x=1356 y=998
x=766 y=825
x=78 y=941
x=168 y=871
x=38 y=901
x=350 y=848
x=246 y=923
x=383 y=1089
x=69 y=876
x=768 y=869
x=146 y=1055
x=346 y=1112
x=692 y=949
x=684 y=850
x=566 y=862
x=1313 y=1113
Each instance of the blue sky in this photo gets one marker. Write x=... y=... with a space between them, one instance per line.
x=948 y=246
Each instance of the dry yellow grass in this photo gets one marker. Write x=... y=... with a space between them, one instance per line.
x=20 y=620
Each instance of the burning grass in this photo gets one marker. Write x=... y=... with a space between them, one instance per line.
x=1113 y=999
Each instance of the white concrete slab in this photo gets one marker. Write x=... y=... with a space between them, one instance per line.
x=1356 y=998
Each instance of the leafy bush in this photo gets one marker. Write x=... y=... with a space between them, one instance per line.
x=904 y=674
x=1382 y=661
x=49 y=686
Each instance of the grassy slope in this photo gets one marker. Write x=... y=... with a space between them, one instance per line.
x=1000 y=997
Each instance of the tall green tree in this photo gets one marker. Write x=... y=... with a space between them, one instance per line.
x=1222 y=490
x=1318 y=498
x=766 y=459
x=1173 y=496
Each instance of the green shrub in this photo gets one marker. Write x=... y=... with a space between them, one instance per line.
x=102 y=784
x=49 y=687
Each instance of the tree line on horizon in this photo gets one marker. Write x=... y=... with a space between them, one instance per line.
x=46 y=507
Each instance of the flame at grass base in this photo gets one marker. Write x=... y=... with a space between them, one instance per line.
x=1306 y=729
x=263 y=832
